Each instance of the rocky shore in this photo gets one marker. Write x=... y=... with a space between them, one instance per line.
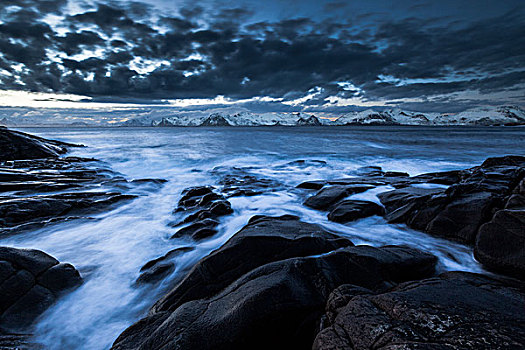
x=39 y=186
x=286 y=284
x=281 y=282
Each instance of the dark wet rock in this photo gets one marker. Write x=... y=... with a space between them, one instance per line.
x=159 y=268
x=205 y=206
x=458 y=212
x=19 y=145
x=169 y=255
x=401 y=204
x=214 y=210
x=192 y=196
x=312 y=185
x=350 y=210
x=156 y=273
x=500 y=243
x=453 y=311
x=193 y=229
x=30 y=281
x=460 y=219
x=277 y=304
x=443 y=178
x=18 y=213
x=263 y=240
x=395 y=174
x=369 y=171
x=79 y=186
x=329 y=196
x=513 y=161
x=237 y=182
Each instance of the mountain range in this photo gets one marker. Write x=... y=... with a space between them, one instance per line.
x=486 y=116
x=165 y=117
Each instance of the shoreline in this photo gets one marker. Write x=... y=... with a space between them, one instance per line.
x=207 y=206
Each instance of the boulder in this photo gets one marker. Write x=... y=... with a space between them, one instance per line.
x=263 y=240
x=159 y=268
x=205 y=206
x=276 y=305
x=328 y=196
x=500 y=243
x=30 y=281
x=312 y=185
x=351 y=210
x=458 y=212
x=198 y=229
x=453 y=311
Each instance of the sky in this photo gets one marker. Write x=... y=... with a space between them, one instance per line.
x=273 y=55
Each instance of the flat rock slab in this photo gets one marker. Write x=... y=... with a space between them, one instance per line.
x=453 y=311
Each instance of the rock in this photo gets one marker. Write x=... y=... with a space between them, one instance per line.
x=328 y=196
x=156 y=273
x=400 y=204
x=453 y=311
x=30 y=281
x=444 y=178
x=369 y=171
x=350 y=210
x=518 y=161
x=395 y=174
x=263 y=240
x=458 y=212
x=237 y=182
x=215 y=210
x=209 y=204
x=500 y=243
x=79 y=186
x=17 y=213
x=197 y=229
x=276 y=305
x=461 y=218
x=312 y=185
x=19 y=145
x=59 y=277
x=169 y=255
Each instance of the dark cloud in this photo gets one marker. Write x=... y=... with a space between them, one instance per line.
x=143 y=54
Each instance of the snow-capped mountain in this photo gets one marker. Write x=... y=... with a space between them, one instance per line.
x=240 y=116
x=238 y=119
x=486 y=116
x=386 y=117
x=310 y=121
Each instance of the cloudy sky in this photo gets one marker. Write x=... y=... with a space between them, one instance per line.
x=273 y=55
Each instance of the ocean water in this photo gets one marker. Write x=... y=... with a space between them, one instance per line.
x=109 y=251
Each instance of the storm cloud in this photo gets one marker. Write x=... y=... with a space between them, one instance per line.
x=133 y=50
